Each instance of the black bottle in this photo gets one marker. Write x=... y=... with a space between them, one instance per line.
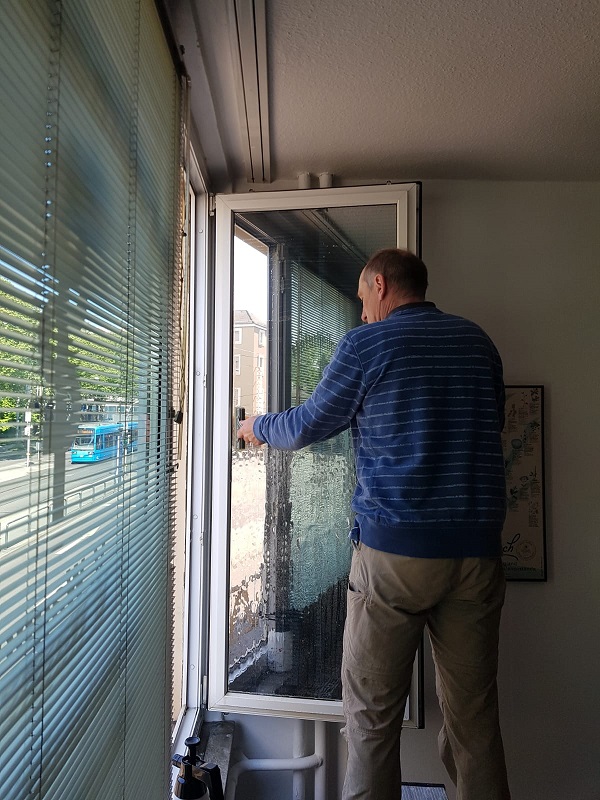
x=187 y=787
x=196 y=778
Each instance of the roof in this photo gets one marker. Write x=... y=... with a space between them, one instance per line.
x=243 y=317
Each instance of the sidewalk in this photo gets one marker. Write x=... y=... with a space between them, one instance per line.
x=11 y=469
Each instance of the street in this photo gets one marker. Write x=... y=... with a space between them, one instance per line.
x=20 y=484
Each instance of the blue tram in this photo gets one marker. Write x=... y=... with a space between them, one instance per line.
x=97 y=442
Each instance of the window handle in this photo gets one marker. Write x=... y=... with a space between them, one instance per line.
x=240 y=416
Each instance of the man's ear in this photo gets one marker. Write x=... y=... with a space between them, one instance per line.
x=380 y=285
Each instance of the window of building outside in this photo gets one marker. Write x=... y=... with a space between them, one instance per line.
x=237 y=335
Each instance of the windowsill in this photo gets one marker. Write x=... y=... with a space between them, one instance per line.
x=216 y=743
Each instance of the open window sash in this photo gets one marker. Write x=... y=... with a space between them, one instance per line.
x=287 y=267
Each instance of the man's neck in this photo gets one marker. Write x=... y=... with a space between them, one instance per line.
x=397 y=301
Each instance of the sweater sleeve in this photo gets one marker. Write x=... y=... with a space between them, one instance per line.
x=327 y=412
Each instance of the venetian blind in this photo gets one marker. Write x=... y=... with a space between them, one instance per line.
x=322 y=476
x=89 y=210
x=320 y=315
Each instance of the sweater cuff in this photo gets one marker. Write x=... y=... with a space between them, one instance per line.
x=257 y=428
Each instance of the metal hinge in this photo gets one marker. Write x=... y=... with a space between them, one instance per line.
x=212 y=205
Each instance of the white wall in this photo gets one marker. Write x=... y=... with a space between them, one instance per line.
x=523 y=260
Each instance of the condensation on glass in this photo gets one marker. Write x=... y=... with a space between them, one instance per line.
x=294 y=296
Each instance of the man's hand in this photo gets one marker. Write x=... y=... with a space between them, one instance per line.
x=246 y=433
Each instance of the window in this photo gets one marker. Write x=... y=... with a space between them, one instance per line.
x=281 y=552
x=237 y=335
x=238 y=362
x=90 y=221
x=261 y=338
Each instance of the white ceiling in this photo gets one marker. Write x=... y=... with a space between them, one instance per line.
x=376 y=90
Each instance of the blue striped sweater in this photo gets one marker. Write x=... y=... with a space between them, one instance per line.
x=423 y=394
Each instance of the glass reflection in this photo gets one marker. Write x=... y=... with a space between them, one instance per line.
x=295 y=279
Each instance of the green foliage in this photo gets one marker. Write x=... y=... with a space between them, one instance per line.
x=95 y=362
x=309 y=357
x=19 y=365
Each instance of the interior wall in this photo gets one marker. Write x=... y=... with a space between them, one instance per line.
x=522 y=260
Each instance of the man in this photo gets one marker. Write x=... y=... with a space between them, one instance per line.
x=423 y=394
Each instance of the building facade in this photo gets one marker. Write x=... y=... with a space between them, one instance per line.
x=249 y=363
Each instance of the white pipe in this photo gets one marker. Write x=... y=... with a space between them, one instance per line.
x=298 y=764
x=267 y=765
x=299 y=751
x=321 y=750
x=325 y=180
x=304 y=180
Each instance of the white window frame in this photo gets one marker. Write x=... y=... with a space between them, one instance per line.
x=195 y=651
x=220 y=698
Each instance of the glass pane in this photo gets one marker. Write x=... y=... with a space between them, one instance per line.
x=88 y=279
x=295 y=280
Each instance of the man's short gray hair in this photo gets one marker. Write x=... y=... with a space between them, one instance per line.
x=402 y=270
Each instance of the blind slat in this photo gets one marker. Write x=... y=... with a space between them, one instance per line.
x=88 y=198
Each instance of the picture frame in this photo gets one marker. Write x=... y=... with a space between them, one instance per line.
x=524 y=532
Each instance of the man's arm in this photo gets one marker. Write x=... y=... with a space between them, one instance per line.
x=327 y=412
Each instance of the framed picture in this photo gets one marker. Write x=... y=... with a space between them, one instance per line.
x=524 y=533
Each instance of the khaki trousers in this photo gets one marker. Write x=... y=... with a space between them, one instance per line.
x=391 y=599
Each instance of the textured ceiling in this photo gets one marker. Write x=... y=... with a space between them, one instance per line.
x=375 y=90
